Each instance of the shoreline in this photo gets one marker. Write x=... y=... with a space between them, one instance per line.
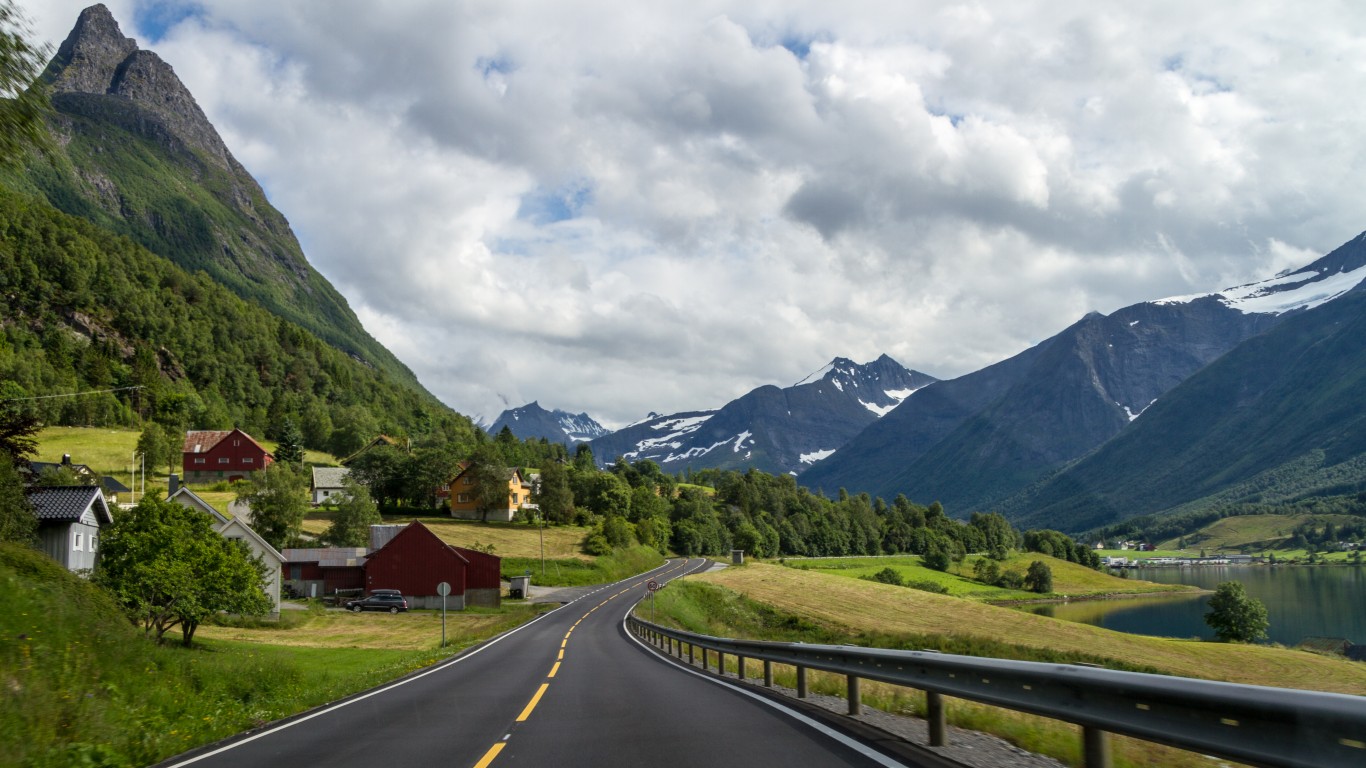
x=1191 y=590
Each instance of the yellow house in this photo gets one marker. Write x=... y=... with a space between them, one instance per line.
x=465 y=507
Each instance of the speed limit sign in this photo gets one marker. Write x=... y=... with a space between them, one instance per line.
x=652 y=586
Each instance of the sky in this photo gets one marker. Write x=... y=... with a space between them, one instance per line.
x=624 y=208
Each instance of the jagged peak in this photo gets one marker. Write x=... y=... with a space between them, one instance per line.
x=90 y=56
x=97 y=59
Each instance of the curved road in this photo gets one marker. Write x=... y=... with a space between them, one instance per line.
x=571 y=688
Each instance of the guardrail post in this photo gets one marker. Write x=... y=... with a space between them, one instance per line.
x=768 y=673
x=855 y=703
x=690 y=649
x=740 y=667
x=1095 y=747
x=934 y=717
x=721 y=663
x=801 y=682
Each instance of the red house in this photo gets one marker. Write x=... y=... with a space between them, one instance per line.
x=318 y=572
x=414 y=561
x=212 y=455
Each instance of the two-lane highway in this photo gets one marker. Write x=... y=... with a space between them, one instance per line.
x=570 y=688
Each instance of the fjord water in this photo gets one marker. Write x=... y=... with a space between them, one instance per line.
x=1301 y=601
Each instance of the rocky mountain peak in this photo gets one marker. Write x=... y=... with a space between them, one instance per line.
x=89 y=57
x=97 y=60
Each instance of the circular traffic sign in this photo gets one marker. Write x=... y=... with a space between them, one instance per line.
x=443 y=589
x=652 y=586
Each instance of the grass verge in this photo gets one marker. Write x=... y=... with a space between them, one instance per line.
x=573 y=572
x=80 y=686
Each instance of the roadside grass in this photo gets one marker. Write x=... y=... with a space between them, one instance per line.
x=854 y=607
x=82 y=687
x=1069 y=579
x=765 y=602
x=575 y=572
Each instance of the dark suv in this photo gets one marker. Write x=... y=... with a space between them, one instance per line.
x=390 y=601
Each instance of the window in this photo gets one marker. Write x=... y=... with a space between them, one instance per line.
x=76 y=543
x=468 y=481
x=236 y=443
x=224 y=460
x=199 y=461
x=92 y=542
x=463 y=498
x=246 y=459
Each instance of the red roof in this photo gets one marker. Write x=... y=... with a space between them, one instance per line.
x=203 y=440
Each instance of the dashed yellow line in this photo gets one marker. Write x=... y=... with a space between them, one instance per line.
x=561 y=656
x=554 y=669
x=489 y=755
x=532 y=704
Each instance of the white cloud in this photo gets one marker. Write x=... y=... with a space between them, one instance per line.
x=660 y=206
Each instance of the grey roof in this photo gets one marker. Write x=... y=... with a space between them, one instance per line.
x=326 y=556
x=329 y=477
x=383 y=534
x=66 y=503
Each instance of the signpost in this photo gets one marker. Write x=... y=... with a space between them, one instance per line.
x=443 y=589
x=653 y=586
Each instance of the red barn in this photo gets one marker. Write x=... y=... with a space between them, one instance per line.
x=318 y=572
x=212 y=455
x=414 y=561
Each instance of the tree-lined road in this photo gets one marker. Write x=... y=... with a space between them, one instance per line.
x=571 y=688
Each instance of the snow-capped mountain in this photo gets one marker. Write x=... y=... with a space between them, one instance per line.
x=531 y=420
x=770 y=428
x=974 y=441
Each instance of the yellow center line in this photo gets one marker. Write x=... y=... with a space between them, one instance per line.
x=489 y=755
x=532 y=704
x=561 y=653
x=564 y=642
x=554 y=669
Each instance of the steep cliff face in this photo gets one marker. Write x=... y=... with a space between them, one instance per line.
x=138 y=155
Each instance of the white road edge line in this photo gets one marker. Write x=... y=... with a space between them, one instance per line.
x=819 y=727
x=327 y=709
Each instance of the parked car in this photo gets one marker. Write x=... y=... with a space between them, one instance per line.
x=384 y=601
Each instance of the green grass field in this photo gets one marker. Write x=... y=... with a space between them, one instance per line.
x=1069 y=579
x=762 y=601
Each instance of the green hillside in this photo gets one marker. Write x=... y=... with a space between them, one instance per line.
x=88 y=310
x=1279 y=420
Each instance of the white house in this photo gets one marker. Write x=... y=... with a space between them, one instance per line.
x=328 y=482
x=69 y=520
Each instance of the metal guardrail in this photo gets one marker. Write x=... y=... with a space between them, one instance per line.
x=1257 y=725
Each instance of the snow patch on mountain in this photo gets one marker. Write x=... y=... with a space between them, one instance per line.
x=1305 y=289
x=815 y=456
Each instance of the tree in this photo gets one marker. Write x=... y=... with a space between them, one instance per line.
x=491 y=477
x=986 y=570
x=356 y=512
x=1235 y=617
x=381 y=470
x=22 y=115
x=17 y=521
x=167 y=566
x=152 y=445
x=17 y=428
x=290 y=449
x=1039 y=577
x=553 y=495
x=278 y=497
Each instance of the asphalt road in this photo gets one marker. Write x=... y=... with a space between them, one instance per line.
x=571 y=688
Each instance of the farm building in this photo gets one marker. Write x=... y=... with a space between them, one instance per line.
x=413 y=560
x=212 y=455
x=316 y=572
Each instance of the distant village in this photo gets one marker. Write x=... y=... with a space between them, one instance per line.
x=408 y=558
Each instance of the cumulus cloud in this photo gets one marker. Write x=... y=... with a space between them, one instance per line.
x=662 y=206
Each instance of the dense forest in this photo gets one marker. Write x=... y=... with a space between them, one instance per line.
x=87 y=311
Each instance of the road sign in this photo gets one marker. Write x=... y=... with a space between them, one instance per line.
x=443 y=589
x=652 y=586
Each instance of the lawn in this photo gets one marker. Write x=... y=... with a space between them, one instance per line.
x=411 y=631
x=1069 y=579
x=507 y=539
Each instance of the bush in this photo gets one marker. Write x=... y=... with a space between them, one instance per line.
x=597 y=545
x=928 y=586
x=1234 y=616
x=888 y=576
x=1039 y=578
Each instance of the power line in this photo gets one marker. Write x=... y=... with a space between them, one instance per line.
x=69 y=394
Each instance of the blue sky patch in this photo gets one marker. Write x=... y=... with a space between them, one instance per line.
x=549 y=206
x=154 y=19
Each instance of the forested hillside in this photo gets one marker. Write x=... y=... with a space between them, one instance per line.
x=87 y=310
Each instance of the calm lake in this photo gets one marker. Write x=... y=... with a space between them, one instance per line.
x=1300 y=602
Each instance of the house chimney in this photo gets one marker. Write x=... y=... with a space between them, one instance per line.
x=66 y=459
x=172 y=484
